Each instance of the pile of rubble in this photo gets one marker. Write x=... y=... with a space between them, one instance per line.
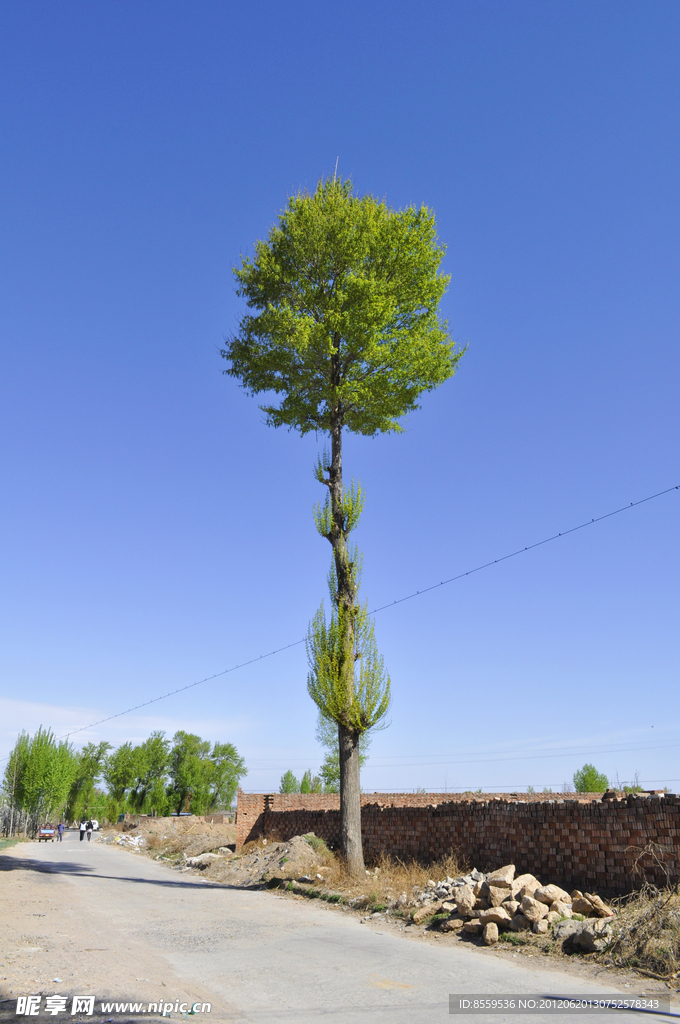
x=134 y=842
x=485 y=905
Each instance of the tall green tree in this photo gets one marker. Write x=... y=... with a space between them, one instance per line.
x=187 y=768
x=224 y=771
x=203 y=777
x=89 y=768
x=14 y=776
x=39 y=775
x=151 y=766
x=311 y=783
x=119 y=771
x=289 y=783
x=343 y=325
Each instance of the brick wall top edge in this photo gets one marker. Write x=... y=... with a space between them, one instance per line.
x=319 y=800
x=331 y=801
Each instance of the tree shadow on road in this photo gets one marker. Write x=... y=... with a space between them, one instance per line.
x=73 y=869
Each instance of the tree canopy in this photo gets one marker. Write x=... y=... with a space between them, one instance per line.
x=345 y=294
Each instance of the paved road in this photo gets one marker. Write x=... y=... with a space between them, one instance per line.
x=257 y=956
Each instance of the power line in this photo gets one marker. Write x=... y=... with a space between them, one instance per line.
x=493 y=760
x=581 y=748
x=530 y=547
x=400 y=600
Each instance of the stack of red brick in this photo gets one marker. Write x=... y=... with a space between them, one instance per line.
x=574 y=838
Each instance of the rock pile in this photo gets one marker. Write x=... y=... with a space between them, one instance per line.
x=480 y=904
x=133 y=842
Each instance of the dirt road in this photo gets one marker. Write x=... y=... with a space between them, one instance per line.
x=108 y=922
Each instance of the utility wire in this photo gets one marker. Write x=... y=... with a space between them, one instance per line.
x=400 y=600
x=407 y=760
x=530 y=547
x=493 y=760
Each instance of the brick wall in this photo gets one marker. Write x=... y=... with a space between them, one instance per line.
x=572 y=839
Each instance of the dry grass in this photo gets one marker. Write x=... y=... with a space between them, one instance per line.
x=387 y=883
x=260 y=844
x=647 y=933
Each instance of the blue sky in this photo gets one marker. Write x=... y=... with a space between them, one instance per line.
x=155 y=531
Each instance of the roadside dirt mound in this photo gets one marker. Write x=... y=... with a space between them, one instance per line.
x=292 y=860
x=171 y=838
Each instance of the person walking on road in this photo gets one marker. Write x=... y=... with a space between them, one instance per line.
x=89 y=827
x=83 y=827
x=60 y=831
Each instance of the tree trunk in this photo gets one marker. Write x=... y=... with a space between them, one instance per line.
x=350 y=790
x=350 y=801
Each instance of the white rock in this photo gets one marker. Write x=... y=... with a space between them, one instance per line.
x=502 y=877
x=465 y=900
x=497 y=915
x=533 y=909
x=549 y=893
x=524 y=885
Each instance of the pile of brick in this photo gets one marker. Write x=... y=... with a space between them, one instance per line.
x=500 y=901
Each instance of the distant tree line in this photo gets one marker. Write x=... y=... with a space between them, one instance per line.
x=46 y=779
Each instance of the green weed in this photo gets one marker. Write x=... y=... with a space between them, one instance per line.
x=514 y=938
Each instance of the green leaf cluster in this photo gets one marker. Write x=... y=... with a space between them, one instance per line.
x=84 y=794
x=201 y=776
x=347 y=679
x=343 y=298
x=350 y=507
x=589 y=780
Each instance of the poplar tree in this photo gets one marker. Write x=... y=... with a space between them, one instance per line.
x=343 y=327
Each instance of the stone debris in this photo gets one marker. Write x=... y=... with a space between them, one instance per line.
x=589 y=905
x=429 y=911
x=126 y=839
x=549 y=893
x=591 y=936
x=292 y=861
x=203 y=860
x=503 y=877
x=533 y=909
x=499 y=901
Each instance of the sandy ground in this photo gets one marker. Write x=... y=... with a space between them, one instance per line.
x=110 y=922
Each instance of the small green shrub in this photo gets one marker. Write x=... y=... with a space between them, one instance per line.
x=589 y=780
x=316 y=843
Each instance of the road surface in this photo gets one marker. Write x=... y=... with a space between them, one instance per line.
x=105 y=921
